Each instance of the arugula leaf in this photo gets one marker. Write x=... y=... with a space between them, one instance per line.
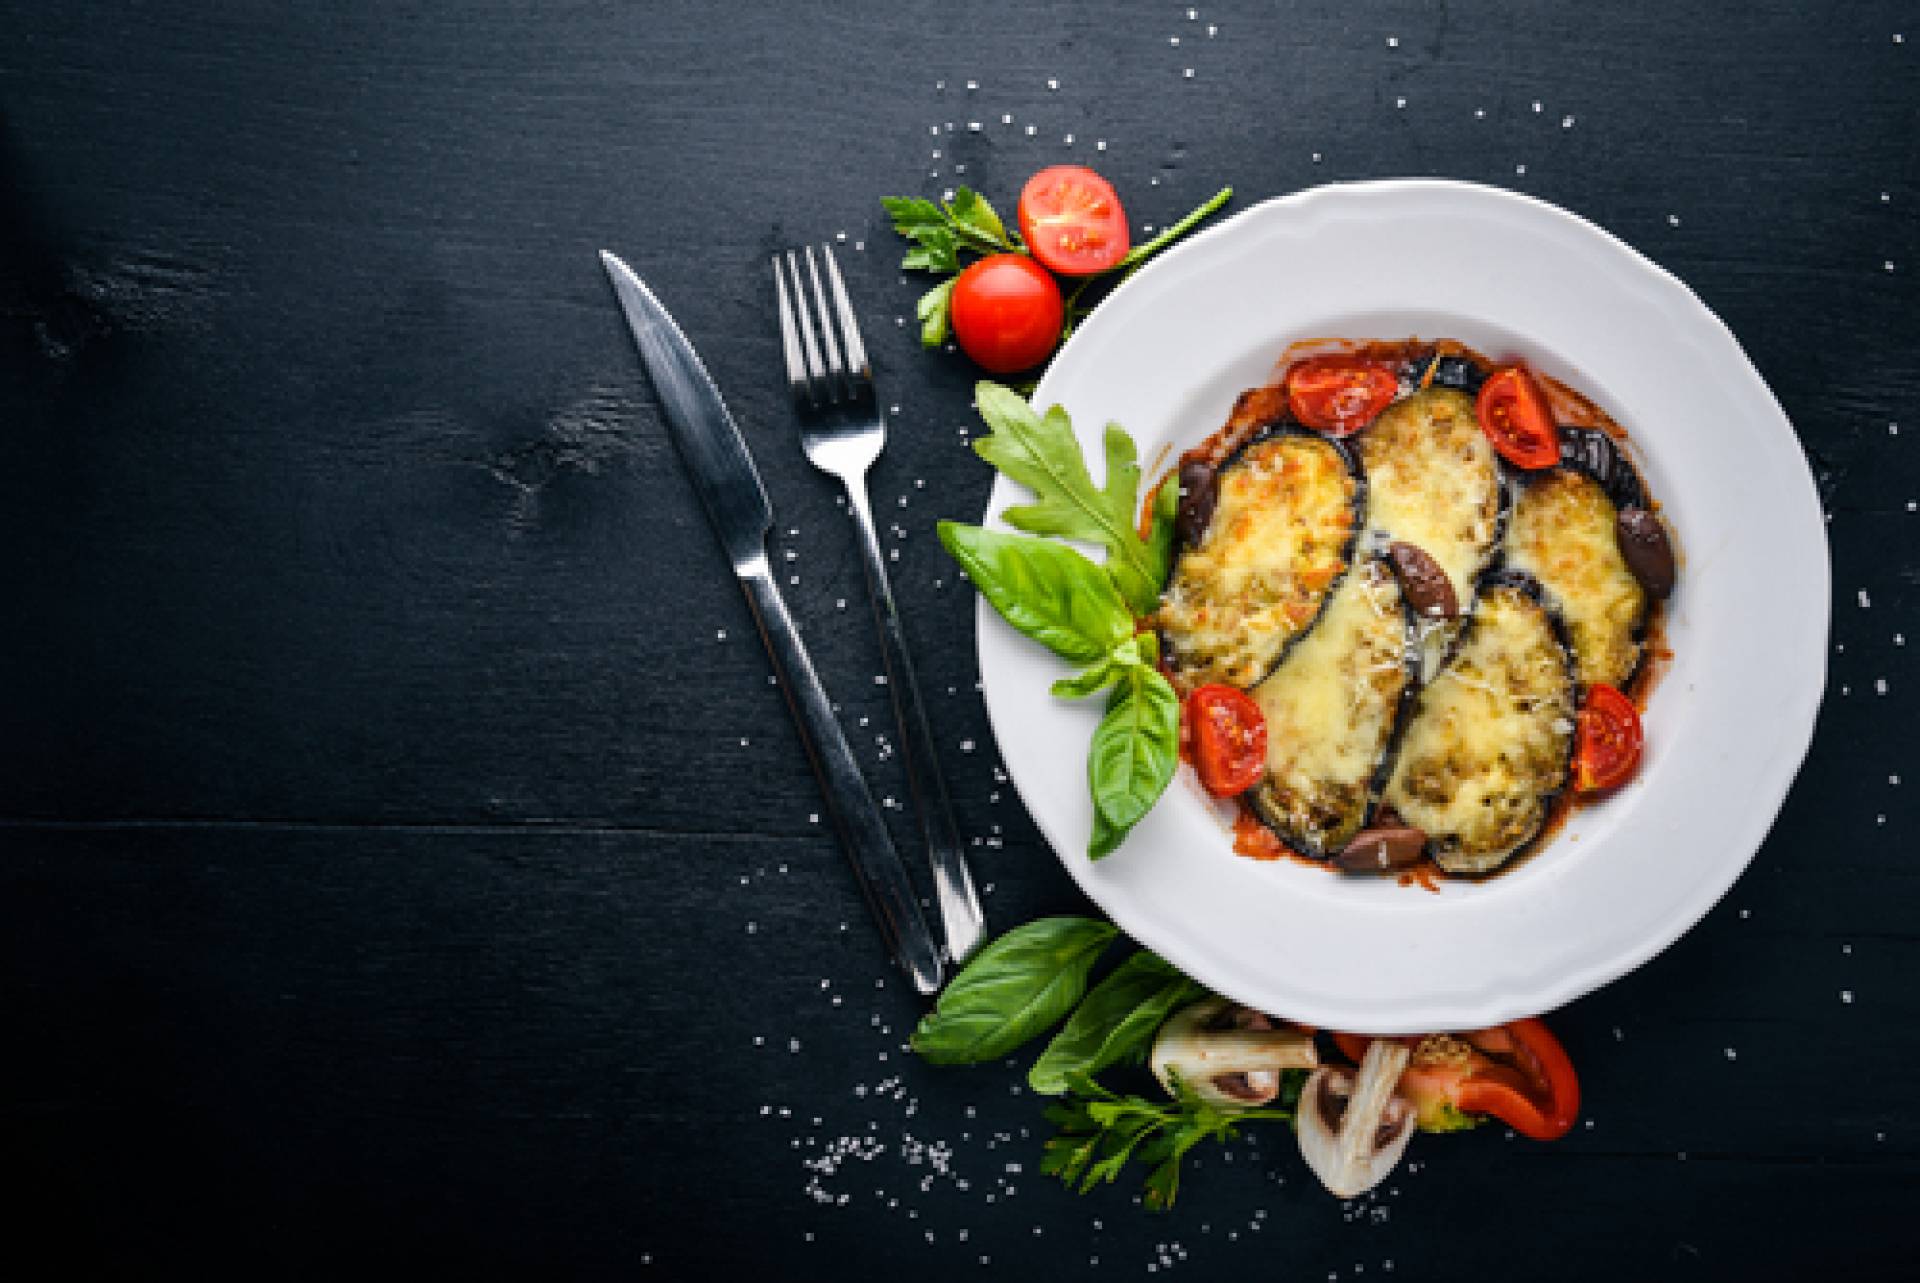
x=933 y=310
x=1012 y=990
x=1046 y=590
x=1135 y=751
x=1042 y=454
x=1166 y=507
x=1116 y=1019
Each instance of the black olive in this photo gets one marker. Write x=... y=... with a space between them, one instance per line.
x=1646 y=550
x=1382 y=850
x=1423 y=584
x=1459 y=373
x=1595 y=453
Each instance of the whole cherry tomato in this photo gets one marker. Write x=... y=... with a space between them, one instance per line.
x=1007 y=313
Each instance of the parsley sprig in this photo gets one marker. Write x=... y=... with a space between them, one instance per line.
x=941 y=232
x=1101 y=1130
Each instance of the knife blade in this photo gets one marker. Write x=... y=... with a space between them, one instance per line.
x=729 y=488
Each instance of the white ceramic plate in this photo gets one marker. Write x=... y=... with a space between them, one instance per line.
x=1727 y=726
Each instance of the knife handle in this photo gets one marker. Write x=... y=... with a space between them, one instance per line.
x=850 y=808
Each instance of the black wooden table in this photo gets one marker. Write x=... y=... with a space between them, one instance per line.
x=406 y=862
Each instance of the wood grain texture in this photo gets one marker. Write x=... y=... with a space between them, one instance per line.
x=388 y=770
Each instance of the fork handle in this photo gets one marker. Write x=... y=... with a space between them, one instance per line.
x=960 y=913
x=850 y=808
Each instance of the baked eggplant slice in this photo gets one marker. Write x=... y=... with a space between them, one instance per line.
x=1331 y=708
x=1564 y=533
x=1485 y=750
x=1286 y=510
x=1433 y=482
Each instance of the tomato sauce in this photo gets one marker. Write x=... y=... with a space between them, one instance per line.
x=1258 y=409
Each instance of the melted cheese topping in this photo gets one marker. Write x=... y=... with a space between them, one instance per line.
x=1563 y=534
x=1487 y=746
x=1432 y=481
x=1279 y=537
x=1330 y=712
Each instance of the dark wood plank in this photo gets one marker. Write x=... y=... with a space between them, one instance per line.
x=382 y=745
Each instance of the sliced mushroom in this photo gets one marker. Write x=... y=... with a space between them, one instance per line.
x=1227 y=1055
x=1354 y=1128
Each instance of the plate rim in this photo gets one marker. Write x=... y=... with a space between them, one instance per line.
x=1798 y=719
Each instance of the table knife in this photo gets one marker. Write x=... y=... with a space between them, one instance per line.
x=729 y=488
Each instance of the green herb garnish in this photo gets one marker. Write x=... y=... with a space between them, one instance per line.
x=1082 y=611
x=1100 y=1130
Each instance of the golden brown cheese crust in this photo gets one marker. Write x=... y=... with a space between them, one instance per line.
x=1486 y=748
x=1433 y=481
x=1563 y=533
x=1330 y=710
x=1281 y=530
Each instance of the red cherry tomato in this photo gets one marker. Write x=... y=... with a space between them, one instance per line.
x=1007 y=313
x=1072 y=220
x=1339 y=395
x=1515 y=416
x=1229 y=739
x=1606 y=748
x=1517 y=1072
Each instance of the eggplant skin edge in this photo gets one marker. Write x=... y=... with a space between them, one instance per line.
x=1634 y=638
x=1180 y=657
x=1447 y=855
x=1260 y=797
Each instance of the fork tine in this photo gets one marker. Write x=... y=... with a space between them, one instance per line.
x=836 y=371
x=858 y=371
x=817 y=386
x=790 y=338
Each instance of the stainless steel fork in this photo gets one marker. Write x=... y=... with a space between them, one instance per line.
x=843 y=431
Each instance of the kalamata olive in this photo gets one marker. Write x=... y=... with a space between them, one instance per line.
x=1644 y=547
x=1199 y=488
x=1422 y=582
x=1457 y=372
x=1598 y=455
x=1382 y=851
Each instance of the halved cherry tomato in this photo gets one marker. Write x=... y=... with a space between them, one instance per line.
x=1339 y=395
x=1606 y=748
x=1229 y=736
x=1071 y=219
x=1007 y=313
x=1514 y=414
x=1517 y=1072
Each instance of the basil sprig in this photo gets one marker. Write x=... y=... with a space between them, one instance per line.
x=1114 y=1022
x=1082 y=611
x=1023 y=984
x=1013 y=990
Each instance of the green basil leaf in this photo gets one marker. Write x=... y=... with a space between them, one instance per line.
x=1013 y=990
x=971 y=214
x=1042 y=454
x=932 y=309
x=1090 y=681
x=1046 y=590
x=1119 y=1016
x=1134 y=753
